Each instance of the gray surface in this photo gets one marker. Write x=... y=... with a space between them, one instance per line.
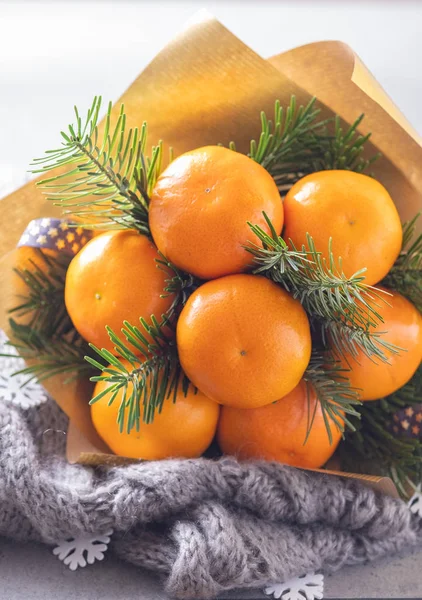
x=31 y=572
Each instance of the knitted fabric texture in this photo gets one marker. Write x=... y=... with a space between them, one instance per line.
x=205 y=525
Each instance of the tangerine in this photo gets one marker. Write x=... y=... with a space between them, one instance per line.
x=403 y=328
x=114 y=278
x=278 y=431
x=243 y=341
x=201 y=205
x=353 y=208
x=183 y=429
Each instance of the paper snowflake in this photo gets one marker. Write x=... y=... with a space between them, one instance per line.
x=305 y=587
x=82 y=550
x=11 y=386
x=415 y=502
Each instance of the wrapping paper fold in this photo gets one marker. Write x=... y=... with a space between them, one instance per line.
x=207 y=87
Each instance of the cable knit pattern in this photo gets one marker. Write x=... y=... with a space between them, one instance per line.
x=206 y=525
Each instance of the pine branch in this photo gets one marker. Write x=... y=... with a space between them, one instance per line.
x=342 y=306
x=375 y=448
x=284 y=138
x=335 y=396
x=44 y=300
x=155 y=375
x=296 y=143
x=110 y=179
x=178 y=284
x=50 y=355
x=406 y=275
x=347 y=338
x=340 y=150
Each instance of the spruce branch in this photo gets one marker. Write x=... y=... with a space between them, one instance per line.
x=406 y=274
x=334 y=394
x=49 y=355
x=375 y=448
x=340 y=150
x=154 y=377
x=343 y=306
x=44 y=297
x=284 y=137
x=178 y=283
x=297 y=142
x=347 y=338
x=110 y=178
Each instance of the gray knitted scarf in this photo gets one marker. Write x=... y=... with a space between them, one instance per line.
x=205 y=525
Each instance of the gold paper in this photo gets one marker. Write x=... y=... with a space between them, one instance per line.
x=206 y=87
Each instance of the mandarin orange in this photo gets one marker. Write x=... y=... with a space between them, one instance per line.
x=201 y=205
x=184 y=428
x=112 y=279
x=243 y=341
x=355 y=210
x=403 y=328
x=278 y=431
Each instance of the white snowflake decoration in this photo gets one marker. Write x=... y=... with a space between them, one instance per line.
x=11 y=386
x=305 y=587
x=415 y=502
x=82 y=550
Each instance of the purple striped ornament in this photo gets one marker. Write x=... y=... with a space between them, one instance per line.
x=55 y=234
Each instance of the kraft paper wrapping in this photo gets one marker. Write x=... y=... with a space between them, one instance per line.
x=207 y=87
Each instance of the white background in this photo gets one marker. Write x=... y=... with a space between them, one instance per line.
x=56 y=54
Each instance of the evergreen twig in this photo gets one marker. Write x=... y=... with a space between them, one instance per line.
x=334 y=393
x=49 y=355
x=110 y=179
x=155 y=375
x=296 y=142
x=374 y=448
x=406 y=274
x=44 y=297
x=344 y=307
x=178 y=284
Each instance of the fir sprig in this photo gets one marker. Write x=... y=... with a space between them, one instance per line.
x=343 y=306
x=296 y=142
x=406 y=274
x=109 y=179
x=50 y=355
x=154 y=377
x=340 y=150
x=334 y=394
x=374 y=447
x=178 y=284
x=43 y=301
x=284 y=137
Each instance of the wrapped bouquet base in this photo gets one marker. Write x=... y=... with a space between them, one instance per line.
x=204 y=526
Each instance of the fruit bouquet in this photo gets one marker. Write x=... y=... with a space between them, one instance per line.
x=268 y=299
x=248 y=286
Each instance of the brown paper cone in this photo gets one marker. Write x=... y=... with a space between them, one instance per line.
x=206 y=87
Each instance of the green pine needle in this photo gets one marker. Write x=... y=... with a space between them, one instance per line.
x=154 y=377
x=178 y=283
x=406 y=275
x=335 y=396
x=374 y=448
x=49 y=355
x=109 y=179
x=44 y=297
x=344 y=307
x=296 y=142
